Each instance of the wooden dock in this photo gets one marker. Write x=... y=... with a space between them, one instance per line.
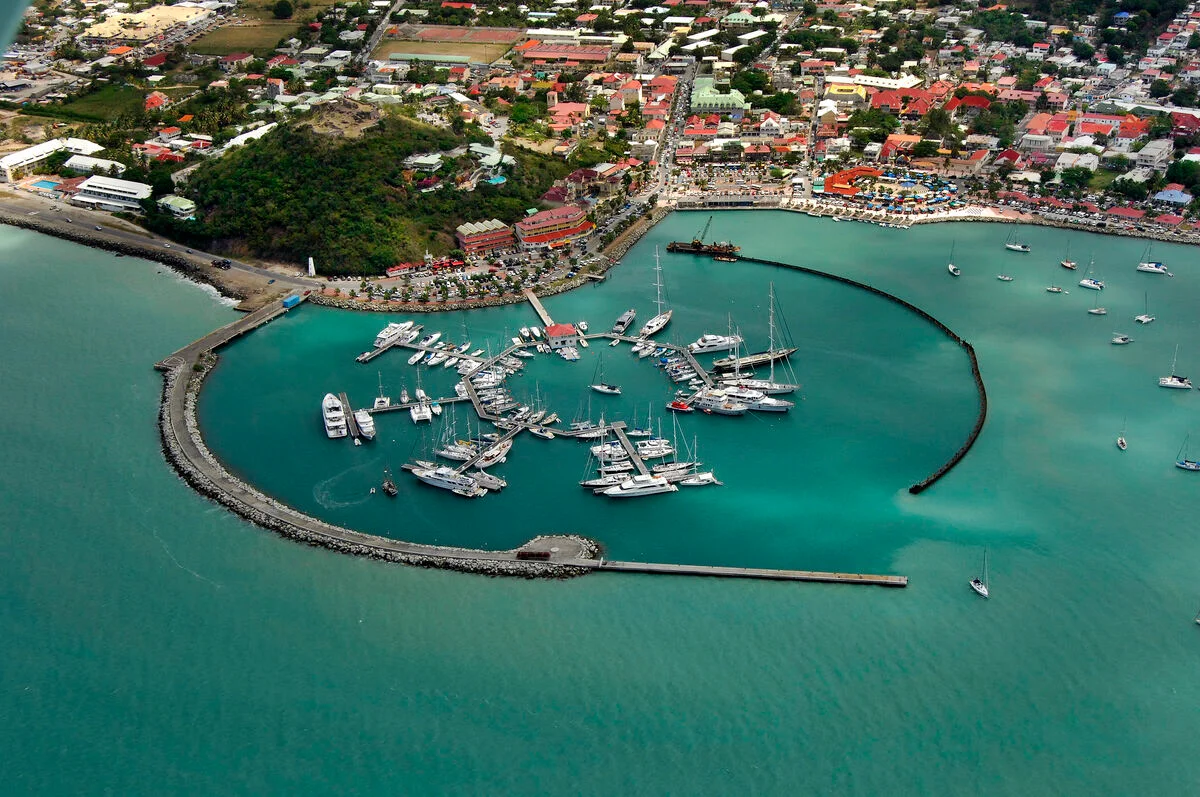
x=619 y=430
x=351 y=421
x=537 y=307
x=752 y=572
x=367 y=356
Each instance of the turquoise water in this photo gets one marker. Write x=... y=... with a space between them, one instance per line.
x=156 y=644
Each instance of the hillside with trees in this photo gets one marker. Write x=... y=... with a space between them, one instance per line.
x=348 y=202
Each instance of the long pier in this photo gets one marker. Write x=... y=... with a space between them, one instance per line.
x=752 y=572
x=634 y=457
x=537 y=306
x=351 y=421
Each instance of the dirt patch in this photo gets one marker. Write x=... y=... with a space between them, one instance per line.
x=477 y=53
x=344 y=119
x=545 y=147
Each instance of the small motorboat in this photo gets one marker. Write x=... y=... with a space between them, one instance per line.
x=1054 y=289
x=954 y=270
x=680 y=406
x=1097 y=311
x=1121 y=340
x=1004 y=278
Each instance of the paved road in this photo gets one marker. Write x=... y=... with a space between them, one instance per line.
x=86 y=221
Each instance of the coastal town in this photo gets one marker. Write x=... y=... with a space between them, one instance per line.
x=528 y=146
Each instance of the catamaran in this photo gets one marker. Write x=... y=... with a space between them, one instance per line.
x=1089 y=282
x=981 y=586
x=1174 y=380
x=381 y=401
x=1145 y=317
x=656 y=324
x=1152 y=266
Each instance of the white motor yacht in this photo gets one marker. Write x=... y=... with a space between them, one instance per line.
x=756 y=400
x=715 y=402
x=708 y=342
x=640 y=485
x=416 y=358
x=334 y=416
x=366 y=424
x=392 y=333
x=1121 y=340
x=447 y=478
x=429 y=339
x=767 y=386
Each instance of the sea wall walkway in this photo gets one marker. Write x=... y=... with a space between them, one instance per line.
x=550 y=556
x=980 y=418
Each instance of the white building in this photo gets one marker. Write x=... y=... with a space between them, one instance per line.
x=109 y=193
x=15 y=164
x=89 y=165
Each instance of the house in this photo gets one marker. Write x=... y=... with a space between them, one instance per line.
x=177 y=206
x=156 y=100
x=1173 y=194
x=235 y=61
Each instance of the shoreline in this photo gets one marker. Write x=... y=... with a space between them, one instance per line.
x=255 y=290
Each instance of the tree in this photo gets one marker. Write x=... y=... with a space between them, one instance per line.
x=1129 y=188
x=1075 y=177
x=1115 y=54
x=924 y=149
x=1160 y=88
x=283 y=10
x=1185 y=96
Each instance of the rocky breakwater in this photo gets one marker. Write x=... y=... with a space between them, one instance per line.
x=184 y=448
x=99 y=240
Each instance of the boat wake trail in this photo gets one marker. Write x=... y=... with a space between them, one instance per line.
x=180 y=565
x=329 y=495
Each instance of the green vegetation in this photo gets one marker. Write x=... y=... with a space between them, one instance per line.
x=260 y=39
x=107 y=103
x=349 y=203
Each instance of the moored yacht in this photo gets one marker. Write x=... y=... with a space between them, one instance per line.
x=707 y=342
x=756 y=400
x=640 y=485
x=715 y=402
x=334 y=416
x=1149 y=266
x=624 y=321
x=656 y=324
x=392 y=333
x=447 y=478
x=366 y=424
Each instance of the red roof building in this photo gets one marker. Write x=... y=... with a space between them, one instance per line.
x=553 y=228
x=560 y=335
x=1133 y=214
x=483 y=237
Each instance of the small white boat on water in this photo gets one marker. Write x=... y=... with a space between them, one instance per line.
x=1004 y=278
x=525 y=333
x=1181 y=459
x=1120 y=339
x=1054 y=289
x=1067 y=262
x=1145 y=317
x=1121 y=442
x=416 y=358
x=1014 y=246
x=954 y=270
x=1149 y=266
x=981 y=585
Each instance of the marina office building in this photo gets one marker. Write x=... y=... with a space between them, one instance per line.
x=484 y=237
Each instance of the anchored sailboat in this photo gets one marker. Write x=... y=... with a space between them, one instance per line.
x=954 y=270
x=981 y=586
x=1121 y=443
x=1181 y=459
x=600 y=386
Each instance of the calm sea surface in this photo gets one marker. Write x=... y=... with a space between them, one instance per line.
x=156 y=644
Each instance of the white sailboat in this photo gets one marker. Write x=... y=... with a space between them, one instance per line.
x=1014 y=246
x=1152 y=266
x=954 y=270
x=1181 y=459
x=1121 y=442
x=1174 y=380
x=656 y=324
x=600 y=386
x=1067 y=262
x=768 y=386
x=981 y=586
x=1145 y=317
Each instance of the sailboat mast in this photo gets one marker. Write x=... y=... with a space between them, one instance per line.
x=658 y=279
x=771 y=331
